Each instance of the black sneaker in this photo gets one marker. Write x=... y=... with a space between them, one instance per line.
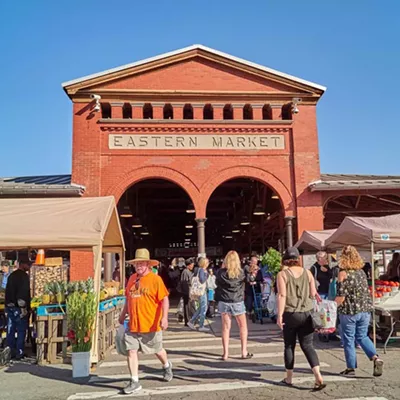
x=132 y=387
x=349 y=372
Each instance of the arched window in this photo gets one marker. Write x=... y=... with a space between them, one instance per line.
x=168 y=112
x=105 y=110
x=208 y=112
x=188 y=111
x=127 y=111
x=287 y=111
x=147 y=111
x=267 y=112
x=228 y=111
x=247 y=111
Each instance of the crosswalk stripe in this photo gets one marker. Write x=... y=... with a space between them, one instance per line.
x=213 y=347
x=365 y=398
x=202 y=372
x=111 y=364
x=210 y=339
x=204 y=387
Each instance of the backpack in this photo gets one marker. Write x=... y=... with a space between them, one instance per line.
x=197 y=289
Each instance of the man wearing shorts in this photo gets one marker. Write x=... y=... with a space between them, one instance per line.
x=147 y=305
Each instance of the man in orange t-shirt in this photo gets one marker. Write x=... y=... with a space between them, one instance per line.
x=147 y=305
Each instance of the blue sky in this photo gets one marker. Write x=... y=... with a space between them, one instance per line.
x=352 y=47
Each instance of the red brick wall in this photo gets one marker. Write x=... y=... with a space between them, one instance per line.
x=288 y=172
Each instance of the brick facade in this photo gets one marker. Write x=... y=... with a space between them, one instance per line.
x=198 y=81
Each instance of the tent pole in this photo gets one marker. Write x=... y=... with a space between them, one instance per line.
x=97 y=252
x=373 y=294
x=122 y=268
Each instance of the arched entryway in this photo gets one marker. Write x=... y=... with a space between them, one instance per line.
x=246 y=215
x=158 y=214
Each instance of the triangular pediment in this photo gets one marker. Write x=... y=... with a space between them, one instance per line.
x=195 y=68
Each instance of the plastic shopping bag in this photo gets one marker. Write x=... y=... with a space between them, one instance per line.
x=327 y=311
x=120 y=344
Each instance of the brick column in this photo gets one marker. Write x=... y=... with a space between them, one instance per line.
x=116 y=110
x=137 y=110
x=276 y=111
x=198 y=111
x=158 y=110
x=218 y=111
x=258 y=111
x=237 y=111
x=178 y=110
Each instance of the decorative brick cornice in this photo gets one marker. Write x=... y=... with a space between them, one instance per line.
x=186 y=129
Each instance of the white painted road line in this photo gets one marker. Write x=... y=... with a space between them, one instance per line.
x=203 y=372
x=204 y=387
x=365 y=398
x=111 y=364
x=213 y=347
x=210 y=339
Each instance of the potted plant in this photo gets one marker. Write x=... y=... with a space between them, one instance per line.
x=81 y=315
x=273 y=260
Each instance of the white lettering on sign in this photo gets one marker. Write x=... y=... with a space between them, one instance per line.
x=199 y=142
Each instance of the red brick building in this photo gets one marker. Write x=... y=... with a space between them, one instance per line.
x=199 y=118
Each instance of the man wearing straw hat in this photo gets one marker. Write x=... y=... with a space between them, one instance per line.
x=147 y=305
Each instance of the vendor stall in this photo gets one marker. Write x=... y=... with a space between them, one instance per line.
x=86 y=224
x=376 y=234
x=313 y=241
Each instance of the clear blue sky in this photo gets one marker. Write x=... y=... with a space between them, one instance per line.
x=352 y=47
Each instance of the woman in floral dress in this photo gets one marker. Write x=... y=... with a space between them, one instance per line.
x=354 y=308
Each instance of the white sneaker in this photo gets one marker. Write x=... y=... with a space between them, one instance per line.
x=191 y=326
x=204 y=329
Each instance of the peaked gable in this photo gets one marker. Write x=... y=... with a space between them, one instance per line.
x=208 y=61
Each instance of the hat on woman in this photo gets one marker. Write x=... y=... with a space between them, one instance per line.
x=142 y=255
x=291 y=253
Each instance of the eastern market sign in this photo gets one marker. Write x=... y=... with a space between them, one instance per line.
x=196 y=142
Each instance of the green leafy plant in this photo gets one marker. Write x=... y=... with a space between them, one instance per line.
x=273 y=260
x=81 y=315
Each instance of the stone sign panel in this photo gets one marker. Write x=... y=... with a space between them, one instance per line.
x=196 y=142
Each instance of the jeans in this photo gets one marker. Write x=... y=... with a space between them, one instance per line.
x=200 y=313
x=355 y=327
x=299 y=325
x=18 y=325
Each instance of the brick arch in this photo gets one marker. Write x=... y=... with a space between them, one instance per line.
x=261 y=175
x=128 y=179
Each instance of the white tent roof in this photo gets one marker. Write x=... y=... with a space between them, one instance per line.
x=360 y=232
x=312 y=241
x=60 y=223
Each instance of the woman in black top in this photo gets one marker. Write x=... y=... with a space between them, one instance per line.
x=230 y=297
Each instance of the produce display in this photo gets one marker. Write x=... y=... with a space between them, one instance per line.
x=384 y=289
x=41 y=276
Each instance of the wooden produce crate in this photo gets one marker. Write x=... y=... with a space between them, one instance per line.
x=51 y=341
x=40 y=275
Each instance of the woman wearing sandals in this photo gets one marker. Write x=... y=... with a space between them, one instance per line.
x=296 y=288
x=355 y=307
x=230 y=297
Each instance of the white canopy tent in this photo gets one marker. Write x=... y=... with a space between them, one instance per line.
x=86 y=224
x=313 y=241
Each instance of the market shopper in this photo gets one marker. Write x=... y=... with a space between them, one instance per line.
x=184 y=288
x=211 y=286
x=254 y=278
x=230 y=297
x=18 y=304
x=147 y=305
x=355 y=307
x=296 y=288
x=322 y=274
x=200 y=314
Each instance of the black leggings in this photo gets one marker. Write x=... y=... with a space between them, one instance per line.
x=299 y=325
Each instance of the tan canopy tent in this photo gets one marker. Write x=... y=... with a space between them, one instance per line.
x=86 y=224
x=313 y=241
x=374 y=233
x=384 y=232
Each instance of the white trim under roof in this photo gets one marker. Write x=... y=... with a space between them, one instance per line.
x=190 y=48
